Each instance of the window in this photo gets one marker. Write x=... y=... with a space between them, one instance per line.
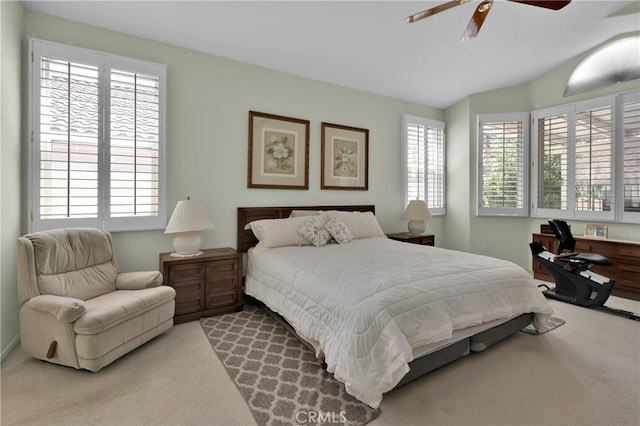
x=502 y=164
x=423 y=168
x=630 y=129
x=552 y=156
x=593 y=146
x=579 y=170
x=97 y=131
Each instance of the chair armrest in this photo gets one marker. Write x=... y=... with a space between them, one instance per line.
x=65 y=309
x=138 y=280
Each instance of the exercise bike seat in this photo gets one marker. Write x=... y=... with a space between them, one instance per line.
x=593 y=258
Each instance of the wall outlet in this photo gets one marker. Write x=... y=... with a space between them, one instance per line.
x=485 y=247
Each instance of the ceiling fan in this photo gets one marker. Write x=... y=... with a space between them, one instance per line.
x=481 y=12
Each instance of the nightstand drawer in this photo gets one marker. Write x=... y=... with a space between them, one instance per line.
x=191 y=272
x=222 y=293
x=189 y=298
x=223 y=268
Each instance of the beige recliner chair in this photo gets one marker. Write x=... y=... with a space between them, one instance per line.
x=77 y=309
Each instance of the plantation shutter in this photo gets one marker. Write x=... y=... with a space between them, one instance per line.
x=69 y=139
x=415 y=161
x=593 y=177
x=424 y=168
x=66 y=136
x=502 y=157
x=435 y=168
x=134 y=144
x=552 y=162
x=97 y=131
x=632 y=157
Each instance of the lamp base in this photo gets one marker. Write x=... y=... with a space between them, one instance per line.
x=198 y=253
x=417 y=227
x=187 y=244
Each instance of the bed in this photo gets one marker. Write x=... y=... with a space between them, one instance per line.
x=378 y=311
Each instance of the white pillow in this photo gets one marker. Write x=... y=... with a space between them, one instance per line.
x=339 y=230
x=314 y=231
x=279 y=232
x=361 y=224
x=298 y=213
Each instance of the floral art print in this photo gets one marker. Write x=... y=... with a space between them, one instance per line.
x=345 y=158
x=278 y=156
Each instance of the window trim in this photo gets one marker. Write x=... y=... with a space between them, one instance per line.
x=570 y=110
x=407 y=119
x=104 y=62
x=523 y=211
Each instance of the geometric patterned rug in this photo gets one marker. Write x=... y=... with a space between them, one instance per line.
x=281 y=380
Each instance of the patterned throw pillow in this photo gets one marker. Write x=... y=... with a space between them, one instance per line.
x=339 y=230
x=314 y=231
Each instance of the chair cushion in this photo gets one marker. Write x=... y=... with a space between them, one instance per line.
x=74 y=262
x=83 y=284
x=108 y=310
x=71 y=249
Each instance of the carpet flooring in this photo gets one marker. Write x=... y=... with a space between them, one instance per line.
x=584 y=373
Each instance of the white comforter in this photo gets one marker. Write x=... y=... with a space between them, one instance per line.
x=368 y=303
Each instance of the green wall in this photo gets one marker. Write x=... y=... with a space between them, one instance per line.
x=11 y=110
x=207 y=109
x=208 y=102
x=506 y=237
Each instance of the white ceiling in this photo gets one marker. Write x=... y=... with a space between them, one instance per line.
x=368 y=45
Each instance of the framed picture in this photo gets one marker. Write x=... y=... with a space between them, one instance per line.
x=345 y=157
x=278 y=152
x=596 y=231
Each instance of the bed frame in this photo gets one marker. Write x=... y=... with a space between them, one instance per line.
x=419 y=366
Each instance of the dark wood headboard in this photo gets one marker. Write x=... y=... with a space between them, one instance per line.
x=246 y=239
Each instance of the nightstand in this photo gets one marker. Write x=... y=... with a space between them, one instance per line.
x=424 y=239
x=206 y=285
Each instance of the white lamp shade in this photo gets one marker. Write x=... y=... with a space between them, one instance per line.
x=417 y=210
x=417 y=213
x=187 y=220
x=189 y=215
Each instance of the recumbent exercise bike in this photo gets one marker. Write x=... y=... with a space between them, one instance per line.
x=575 y=282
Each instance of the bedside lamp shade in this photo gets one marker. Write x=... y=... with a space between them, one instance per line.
x=187 y=220
x=417 y=213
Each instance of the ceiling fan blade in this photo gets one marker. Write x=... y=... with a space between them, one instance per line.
x=477 y=20
x=429 y=12
x=554 y=5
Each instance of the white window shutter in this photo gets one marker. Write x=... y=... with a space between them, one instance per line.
x=503 y=164
x=630 y=186
x=97 y=157
x=423 y=162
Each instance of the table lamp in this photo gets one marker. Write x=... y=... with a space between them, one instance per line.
x=187 y=220
x=417 y=213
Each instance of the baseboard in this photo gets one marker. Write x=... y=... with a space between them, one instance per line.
x=8 y=349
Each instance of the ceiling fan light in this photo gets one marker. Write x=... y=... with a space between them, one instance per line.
x=484 y=7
